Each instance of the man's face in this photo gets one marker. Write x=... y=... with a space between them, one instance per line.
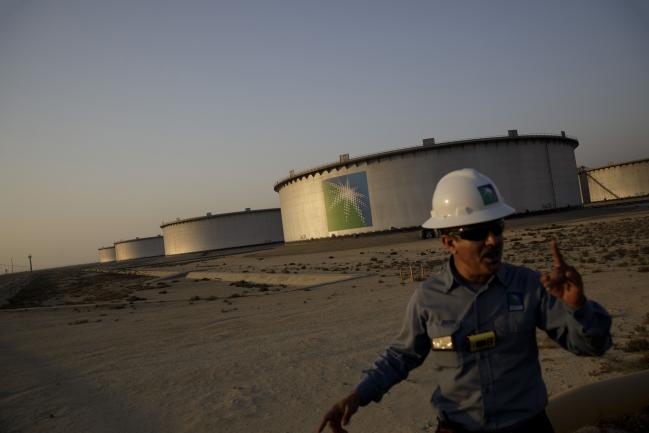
x=477 y=249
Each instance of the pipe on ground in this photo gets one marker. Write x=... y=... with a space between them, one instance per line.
x=588 y=404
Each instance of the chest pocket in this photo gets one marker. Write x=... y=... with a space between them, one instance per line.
x=516 y=316
x=444 y=344
x=513 y=322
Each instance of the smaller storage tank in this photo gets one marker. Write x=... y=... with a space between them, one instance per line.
x=139 y=247
x=107 y=254
x=227 y=230
x=616 y=181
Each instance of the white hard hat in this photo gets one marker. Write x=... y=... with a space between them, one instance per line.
x=465 y=197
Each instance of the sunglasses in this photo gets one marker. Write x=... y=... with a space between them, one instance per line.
x=479 y=232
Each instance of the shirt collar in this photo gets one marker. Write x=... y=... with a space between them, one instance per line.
x=449 y=282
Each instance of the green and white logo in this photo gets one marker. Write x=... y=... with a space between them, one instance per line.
x=347 y=202
x=488 y=194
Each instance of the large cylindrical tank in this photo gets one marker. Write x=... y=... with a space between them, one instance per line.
x=625 y=180
x=228 y=230
x=106 y=254
x=139 y=247
x=394 y=189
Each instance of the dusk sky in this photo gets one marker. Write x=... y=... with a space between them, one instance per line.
x=117 y=115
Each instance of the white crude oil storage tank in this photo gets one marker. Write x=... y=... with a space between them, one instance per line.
x=139 y=247
x=394 y=189
x=616 y=181
x=107 y=254
x=227 y=230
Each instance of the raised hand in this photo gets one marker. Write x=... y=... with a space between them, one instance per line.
x=341 y=411
x=563 y=282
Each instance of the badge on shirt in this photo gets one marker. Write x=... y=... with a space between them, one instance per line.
x=442 y=343
x=482 y=341
x=515 y=301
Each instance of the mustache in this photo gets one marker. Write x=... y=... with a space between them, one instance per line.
x=491 y=252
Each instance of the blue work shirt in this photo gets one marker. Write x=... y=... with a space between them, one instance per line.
x=500 y=386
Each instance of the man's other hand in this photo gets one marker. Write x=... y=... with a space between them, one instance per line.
x=341 y=411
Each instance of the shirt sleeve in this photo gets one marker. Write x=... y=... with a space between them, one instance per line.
x=405 y=353
x=583 y=331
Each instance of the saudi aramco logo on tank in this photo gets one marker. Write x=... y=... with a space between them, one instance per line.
x=347 y=201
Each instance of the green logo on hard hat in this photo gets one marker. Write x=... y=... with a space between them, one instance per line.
x=488 y=194
x=347 y=202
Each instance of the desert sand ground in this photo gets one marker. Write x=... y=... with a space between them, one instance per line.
x=272 y=346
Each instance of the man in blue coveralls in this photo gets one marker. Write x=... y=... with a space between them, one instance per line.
x=478 y=318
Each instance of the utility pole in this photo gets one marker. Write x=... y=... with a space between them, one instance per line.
x=30 y=262
x=12 y=265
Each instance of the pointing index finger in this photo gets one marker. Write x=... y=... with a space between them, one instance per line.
x=557 y=258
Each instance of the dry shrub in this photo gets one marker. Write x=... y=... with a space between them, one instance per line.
x=637 y=345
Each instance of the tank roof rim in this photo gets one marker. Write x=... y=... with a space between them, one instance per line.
x=138 y=239
x=206 y=217
x=635 y=161
x=421 y=148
